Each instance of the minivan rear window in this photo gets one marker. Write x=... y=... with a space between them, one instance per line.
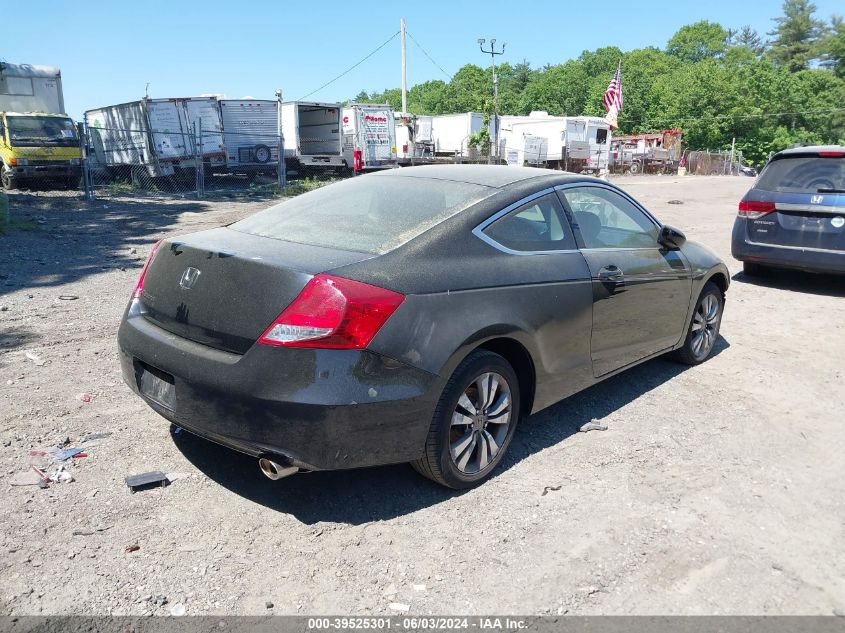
x=803 y=174
x=370 y=214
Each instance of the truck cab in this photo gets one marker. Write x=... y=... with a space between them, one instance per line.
x=36 y=146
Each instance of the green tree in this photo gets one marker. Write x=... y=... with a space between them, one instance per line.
x=833 y=47
x=748 y=38
x=796 y=36
x=560 y=90
x=698 y=41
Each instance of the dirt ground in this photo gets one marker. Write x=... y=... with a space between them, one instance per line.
x=718 y=489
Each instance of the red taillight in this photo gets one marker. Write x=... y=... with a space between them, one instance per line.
x=753 y=209
x=139 y=287
x=831 y=154
x=333 y=312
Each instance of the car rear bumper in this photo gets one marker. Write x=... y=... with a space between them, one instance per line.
x=320 y=409
x=795 y=257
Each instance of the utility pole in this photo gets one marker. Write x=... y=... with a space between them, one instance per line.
x=281 y=168
x=492 y=52
x=404 y=68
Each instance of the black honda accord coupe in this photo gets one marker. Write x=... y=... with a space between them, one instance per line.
x=413 y=315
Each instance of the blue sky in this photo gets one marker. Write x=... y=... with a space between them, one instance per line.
x=109 y=50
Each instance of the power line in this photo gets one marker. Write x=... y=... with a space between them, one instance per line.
x=353 y=67
x=425 y=52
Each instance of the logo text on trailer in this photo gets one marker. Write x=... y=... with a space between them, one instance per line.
x=189 y=277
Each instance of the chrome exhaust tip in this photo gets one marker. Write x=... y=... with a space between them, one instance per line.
x=275 y=471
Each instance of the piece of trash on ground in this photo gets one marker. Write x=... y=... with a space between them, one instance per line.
x=92 y=531
x=177 y=609
x=68 y=297
x=675 y=202
x=152 y=479
x=35 y=358
x=86 y=397
x=593 y=426
x=133 y=547
x=398 y=606
x=546 y=489
x=25 y=478
x=64 y=454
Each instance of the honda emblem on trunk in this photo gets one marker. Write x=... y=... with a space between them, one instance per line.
x=189 y=277
x=817 y=199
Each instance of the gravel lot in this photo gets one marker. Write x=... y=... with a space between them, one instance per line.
x=716 y=489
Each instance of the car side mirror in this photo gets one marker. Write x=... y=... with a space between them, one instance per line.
x=671 y=238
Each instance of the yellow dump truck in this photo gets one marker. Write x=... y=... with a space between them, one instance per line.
x=39 y=144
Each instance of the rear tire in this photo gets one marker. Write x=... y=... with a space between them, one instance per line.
x=473 y=423
x=704 y=326
x=754 y=270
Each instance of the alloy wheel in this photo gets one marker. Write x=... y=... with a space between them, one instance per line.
x=705 y=325
x=480 y=423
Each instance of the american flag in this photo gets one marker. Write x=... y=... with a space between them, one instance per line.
x=613 y=97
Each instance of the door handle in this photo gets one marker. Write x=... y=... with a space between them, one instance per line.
x=610 y=273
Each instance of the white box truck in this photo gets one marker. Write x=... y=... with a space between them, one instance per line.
x=313 y=135
x=251 y=135
x=154 y=136
x=450 y=133
x=369 y=137
x=205 y=112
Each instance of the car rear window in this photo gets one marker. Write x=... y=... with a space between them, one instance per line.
x=370 y=214
x=805 y=174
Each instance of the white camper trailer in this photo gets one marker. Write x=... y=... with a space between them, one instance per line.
x=313 y=135
x=551 y=129
x=30 y=88
x=251 y=135
x=369 y=137
x=450 y=133
x=587 y=144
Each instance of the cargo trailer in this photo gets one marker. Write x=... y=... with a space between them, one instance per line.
x=369 y=137
x=313 y=135
x=154 y=137
x=251 y=135
x=450 y=133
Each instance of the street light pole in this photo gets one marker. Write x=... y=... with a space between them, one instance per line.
x=492 y=52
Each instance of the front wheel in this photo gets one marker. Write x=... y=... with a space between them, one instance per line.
x=7 y=180
x=473 y=422
x=704 y=326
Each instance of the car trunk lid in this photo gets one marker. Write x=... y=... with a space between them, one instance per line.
x=222 y=288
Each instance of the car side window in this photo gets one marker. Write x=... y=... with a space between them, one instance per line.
x=606 y=219
x=539 y=225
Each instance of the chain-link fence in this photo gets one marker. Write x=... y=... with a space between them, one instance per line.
x=715 y=163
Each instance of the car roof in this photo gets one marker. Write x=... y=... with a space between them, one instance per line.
x=486 y=175
x=809 y=149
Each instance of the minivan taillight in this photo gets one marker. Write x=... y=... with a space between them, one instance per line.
x=139 y=287
x=333 y=312
x=753 y=209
